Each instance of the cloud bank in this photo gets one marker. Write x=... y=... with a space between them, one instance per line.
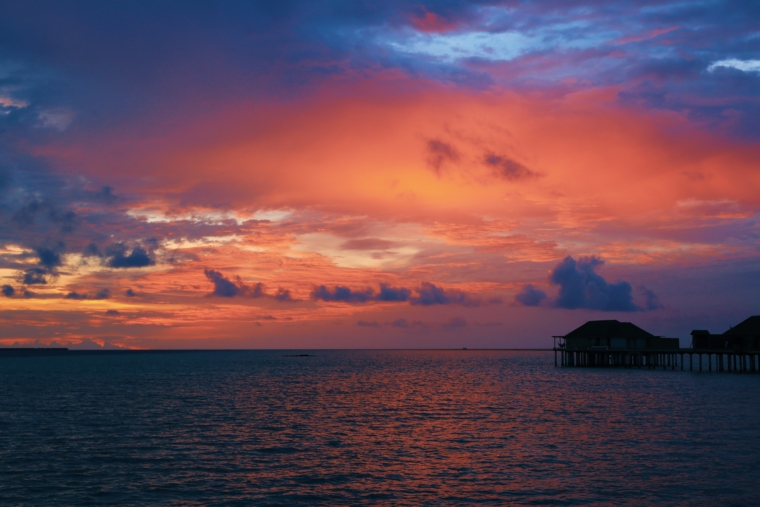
x=426 y=294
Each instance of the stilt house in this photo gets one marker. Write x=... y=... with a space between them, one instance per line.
x=740 y=338
x=614 y=335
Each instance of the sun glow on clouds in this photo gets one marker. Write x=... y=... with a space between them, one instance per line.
x=381 y=255
x=9 y=102
x=209 y=216
x=426 y=148
x=364 y=211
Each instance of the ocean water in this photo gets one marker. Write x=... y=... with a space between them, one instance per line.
x=371 y=428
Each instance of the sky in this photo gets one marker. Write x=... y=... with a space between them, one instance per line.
x=355 y=174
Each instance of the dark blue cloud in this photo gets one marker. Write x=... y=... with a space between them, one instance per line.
x=119 y=258
x=91 y=250
x=530 y=296
x=342 y=294
x=100 y=294
x=283 y=295
x=224 y=287
x=8 y=291
x=580 y=286
x=50 y=257
x=429 y=294
x=35 y=276
x=393 y=293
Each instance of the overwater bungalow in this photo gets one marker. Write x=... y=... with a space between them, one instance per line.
x=622 y=344
x=614 y=335
x=743 y=337
x=614 y=343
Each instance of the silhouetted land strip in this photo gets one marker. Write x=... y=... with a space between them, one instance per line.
x=64 y=352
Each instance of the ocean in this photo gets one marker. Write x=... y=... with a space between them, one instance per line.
x=417 y=427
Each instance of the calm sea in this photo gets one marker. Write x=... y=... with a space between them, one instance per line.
x=369 y=428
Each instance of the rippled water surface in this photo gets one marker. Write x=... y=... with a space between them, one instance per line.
x=371 y=427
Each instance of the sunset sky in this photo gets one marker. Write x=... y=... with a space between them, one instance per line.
x=354 y=174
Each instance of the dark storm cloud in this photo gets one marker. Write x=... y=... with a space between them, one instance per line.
x=507 y=169
x=224 y=287
x=440 y=153
x=130 y=293
x=580 y=286
x=530 y=296
x=8 y=291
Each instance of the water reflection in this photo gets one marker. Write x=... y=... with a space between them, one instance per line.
x=370 y=427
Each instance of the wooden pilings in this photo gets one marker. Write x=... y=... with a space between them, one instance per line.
x=732 y=361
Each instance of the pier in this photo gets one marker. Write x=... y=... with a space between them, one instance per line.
x=613 y=344
x=680 y=359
